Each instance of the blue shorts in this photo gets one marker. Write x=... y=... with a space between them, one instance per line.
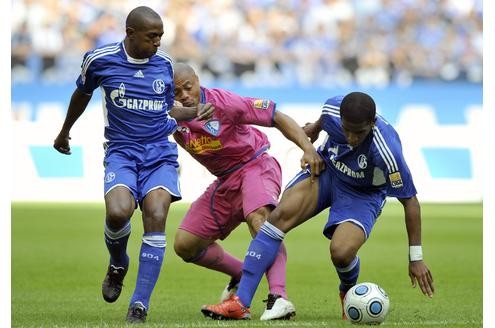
x=347 y=204
x=142 y=168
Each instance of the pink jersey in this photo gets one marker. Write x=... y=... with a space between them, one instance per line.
x=227 y=141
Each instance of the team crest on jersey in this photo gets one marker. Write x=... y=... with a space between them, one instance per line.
x=158 y=86
x=395 y=180
x=213 y=127
x=109 y=177
x=261 y=104
x=362 y=161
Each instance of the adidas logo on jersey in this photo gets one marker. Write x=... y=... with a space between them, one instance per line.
x=139 y=74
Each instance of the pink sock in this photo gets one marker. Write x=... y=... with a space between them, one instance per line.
x=217 y=259
x=276 y=273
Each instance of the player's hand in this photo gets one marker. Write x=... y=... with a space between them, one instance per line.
x=315 y=162
x=312 y=131
x=420 y=274
x=205 y=111
x=61 y=144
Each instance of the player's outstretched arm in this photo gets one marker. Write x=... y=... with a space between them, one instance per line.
x=200 y=112
x=418 y=271
x=78 y=103
x=295 y=133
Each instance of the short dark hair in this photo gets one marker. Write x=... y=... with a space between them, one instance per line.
x=358 y=107
x=138 y=17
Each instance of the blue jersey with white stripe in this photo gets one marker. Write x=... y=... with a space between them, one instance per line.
x=377 y=163
x=137 y=93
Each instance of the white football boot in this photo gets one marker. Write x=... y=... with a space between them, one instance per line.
x=229 y=290
x=278 y=308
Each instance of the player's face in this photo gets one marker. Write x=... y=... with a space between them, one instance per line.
x=186 y=89
x=355 y=133
x=146 y=40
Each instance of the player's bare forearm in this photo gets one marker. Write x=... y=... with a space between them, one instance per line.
x=295 y=133
x=419 y=273
x=180 y=113
x=412 y=213
x=292 y=131
x=78 y=103
x=201 y=112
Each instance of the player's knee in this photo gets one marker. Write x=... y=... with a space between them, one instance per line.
x=341 y=254
x=155 y=216
x=256 y=219
x=118 y=214
x=183 y=249
x=281 y=218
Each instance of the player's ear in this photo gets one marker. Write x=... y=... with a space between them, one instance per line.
x=129 y=31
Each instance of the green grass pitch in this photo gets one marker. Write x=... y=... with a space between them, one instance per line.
x=59 y=260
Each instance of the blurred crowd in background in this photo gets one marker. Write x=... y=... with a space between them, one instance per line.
x=264 y=42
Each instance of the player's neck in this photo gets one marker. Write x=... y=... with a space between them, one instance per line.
x=130 y=52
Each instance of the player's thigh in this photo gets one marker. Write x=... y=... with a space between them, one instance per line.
x=361 y=209
x=298 y=204
x=120 y=184
x=160 y=177
x=261 y=184
x=215 y=213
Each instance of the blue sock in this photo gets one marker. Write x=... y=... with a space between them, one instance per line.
x=348 y=275
x=150 y=263
x=260 y=255
x=116 y=241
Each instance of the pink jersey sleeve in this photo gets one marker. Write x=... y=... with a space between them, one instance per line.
x=244 y=110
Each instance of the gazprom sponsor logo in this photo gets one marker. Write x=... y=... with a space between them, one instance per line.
x=118 y=99
x=347 y=170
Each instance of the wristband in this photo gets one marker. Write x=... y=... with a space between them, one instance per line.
x=415 y=253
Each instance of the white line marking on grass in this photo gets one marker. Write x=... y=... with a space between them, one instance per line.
x=432 y=323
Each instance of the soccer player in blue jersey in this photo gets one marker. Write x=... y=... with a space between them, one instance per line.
x=136 y=81
x=364 y=165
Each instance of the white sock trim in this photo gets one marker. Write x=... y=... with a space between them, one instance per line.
x=272 y=231
x=159 y=241
x=350 y=266
x=126 y=230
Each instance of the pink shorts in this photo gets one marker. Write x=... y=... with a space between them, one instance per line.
x=228 y=200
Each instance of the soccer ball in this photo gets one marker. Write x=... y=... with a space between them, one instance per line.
x=366 y=303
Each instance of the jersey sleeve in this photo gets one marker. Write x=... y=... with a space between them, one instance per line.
x=169 y=97
x=391 y=159
x=87 y=81
x=330 y=113
x=246 y=110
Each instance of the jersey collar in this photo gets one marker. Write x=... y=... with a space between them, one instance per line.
x=134 y=60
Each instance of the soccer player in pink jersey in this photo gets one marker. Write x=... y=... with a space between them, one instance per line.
x=248 y=180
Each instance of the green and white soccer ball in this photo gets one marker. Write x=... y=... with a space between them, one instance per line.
x=366 y=303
